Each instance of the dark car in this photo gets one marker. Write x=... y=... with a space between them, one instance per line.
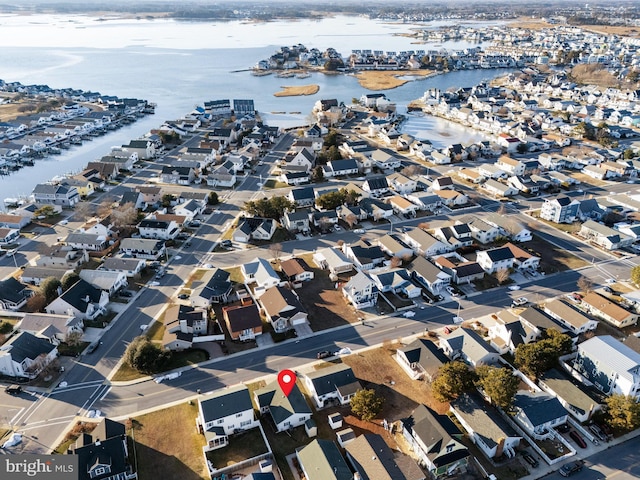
x=323 y=354
x=93 y=347
x=530 y=460
x=578 y=439
x=597 y=431
x=564 y=428
x=226 y=243
x=570 y=468
x=13 y=389
x=183 y=296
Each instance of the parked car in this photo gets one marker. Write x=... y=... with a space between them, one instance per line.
x=323 y=354
x=518 y=302
x=514 y=287
x=610 y=281
x=226 y=243
x=359 y=231
x=571 y=468
x=597 y=431
x=564 y=428
x=530 y=459
x=93 y=346
x=183 y=296
x=13 y=389
x=576 y=437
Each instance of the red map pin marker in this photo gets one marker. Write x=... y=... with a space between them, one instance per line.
x=287 y=380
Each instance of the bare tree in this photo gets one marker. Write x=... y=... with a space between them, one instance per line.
x=73 y=338
x=84 y=210
x=412 y=170
x=502 y=210
x=276 y=251
x=424 y=225
x=351 y=219
x=502 y=275
x=125 y=215
x=395 y=262
x=105 y=207
x=584 y=284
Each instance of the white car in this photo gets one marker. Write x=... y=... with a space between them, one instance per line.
x=207 y=265
x=14 y=440
x=154 y=284
x=457 y=319
x=343 y=351
x=518 y=302
x=409 y=314
x=217 y=211
x=143 y=327
x=337 y=228
x=610 y=281
x=359 y=231
x=514 y=288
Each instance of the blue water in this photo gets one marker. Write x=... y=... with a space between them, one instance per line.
x=138 y=62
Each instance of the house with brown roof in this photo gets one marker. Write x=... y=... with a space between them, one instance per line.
x=296 y=270
x=8 y=220
x=243 y=321
x=522 y=259
x=451 y=197
x=609 y=311
x=402 y=206
x=282 y=308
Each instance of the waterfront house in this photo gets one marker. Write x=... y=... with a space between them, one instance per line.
x=334 y=385
x=436 y=441
x=611 y=365
x=223 y=413
x=286 y=411
x=65 y=196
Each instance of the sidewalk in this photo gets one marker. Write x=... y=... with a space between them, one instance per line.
x=545 y=470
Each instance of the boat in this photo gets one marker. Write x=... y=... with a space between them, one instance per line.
x=303 y=75
x=285 y=75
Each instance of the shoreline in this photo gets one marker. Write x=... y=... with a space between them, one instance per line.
x=297 y=90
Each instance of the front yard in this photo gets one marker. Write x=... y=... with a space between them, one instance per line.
x=167 y=444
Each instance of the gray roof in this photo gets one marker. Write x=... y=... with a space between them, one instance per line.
x=85 y=238
x=76 y=295
x=141 y=244
x=426 y=269
x=609 y=351
x=225 y=402
x=44 y=272
x=12 y=290
x=426 y=354
x=329 y=379
x=119 y=263
x=374 y=460
x=282 y=406
x=470 y=343
x=322 y=460
x=539 y=407
x=437 y=433
x=213 y=284
x=25 y=345
x=483 y=419
x=564 y=388
x=541 y=320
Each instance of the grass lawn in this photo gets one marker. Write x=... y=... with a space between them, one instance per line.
x=73 y=434
x=564 y=227
x=156 y=331
x=273 y=183
x=196 y=276
x=325 y=305
x=167 y=444
x=241 y=447
x=235 y=274
x=126 y=372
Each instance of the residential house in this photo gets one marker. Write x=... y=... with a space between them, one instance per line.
x=372 y=459
x=499 y=189
x=425 y=201
x=183 y=323
x=423 y=243
x=65 y=196
x=523 y=260
x=509 y=332
x=538 y=319
x=323 y=220
x=436 y=441
x=603 y=236
x=243 y=322
x=103 y=454
x=297 y=221
x=9 y=236
x=396 y=281
x=560 y=209
x=361 y=291
x=322 y=460
x=223 y=413
x=334 y=385
x=471 y=175
x=611 y=365
x=611 y=312
x=376 y=186
x=109 y=282
x=401 y=184
x=538 y=413
x=86 y=241
x=149 y=249
x=376 y=210
x=394 y=246
x=499 y=258
x=286 y=411
x=421 y=359
x=302 y=197
x=223 y=176
x=573 y=398
x=150 y=194
x=62 y=257
x=339 y=168
x=260 y=272
x=129 y=266
x=150 y=228
x=55 y=328
x=429 y=275
x=481 y=231
x=452 y=198
x=24 y=355
x=510 y=227
x=296 y=270
x=177 y=175
x=570 y=317
x=35 y=275
x=332 y=259
x=190 y=208
x=442 y=183
x=510 y=165
x=255 y=228
x=465 y=344
x=491 y=172
x=13 y=294
x=457 y=235
x=485 y=427
x=82 y=300
x=282 y=308
x=461 y=271
x=364 y=254
x=14 y=221
x=402 y=206
x=385 y=161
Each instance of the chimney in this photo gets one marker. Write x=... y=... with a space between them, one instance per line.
x=87 y=299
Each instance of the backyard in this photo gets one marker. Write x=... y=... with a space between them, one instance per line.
x=241 y=447
x=167 y=444
x=552 y=258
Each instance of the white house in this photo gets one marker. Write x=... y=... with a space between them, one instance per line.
x=261 y=273
x=332 y=385
x=82 y=300
x=538 y=413
x=361 y=291
x=286 y=411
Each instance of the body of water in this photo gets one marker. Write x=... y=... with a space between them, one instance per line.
x=179 y=65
